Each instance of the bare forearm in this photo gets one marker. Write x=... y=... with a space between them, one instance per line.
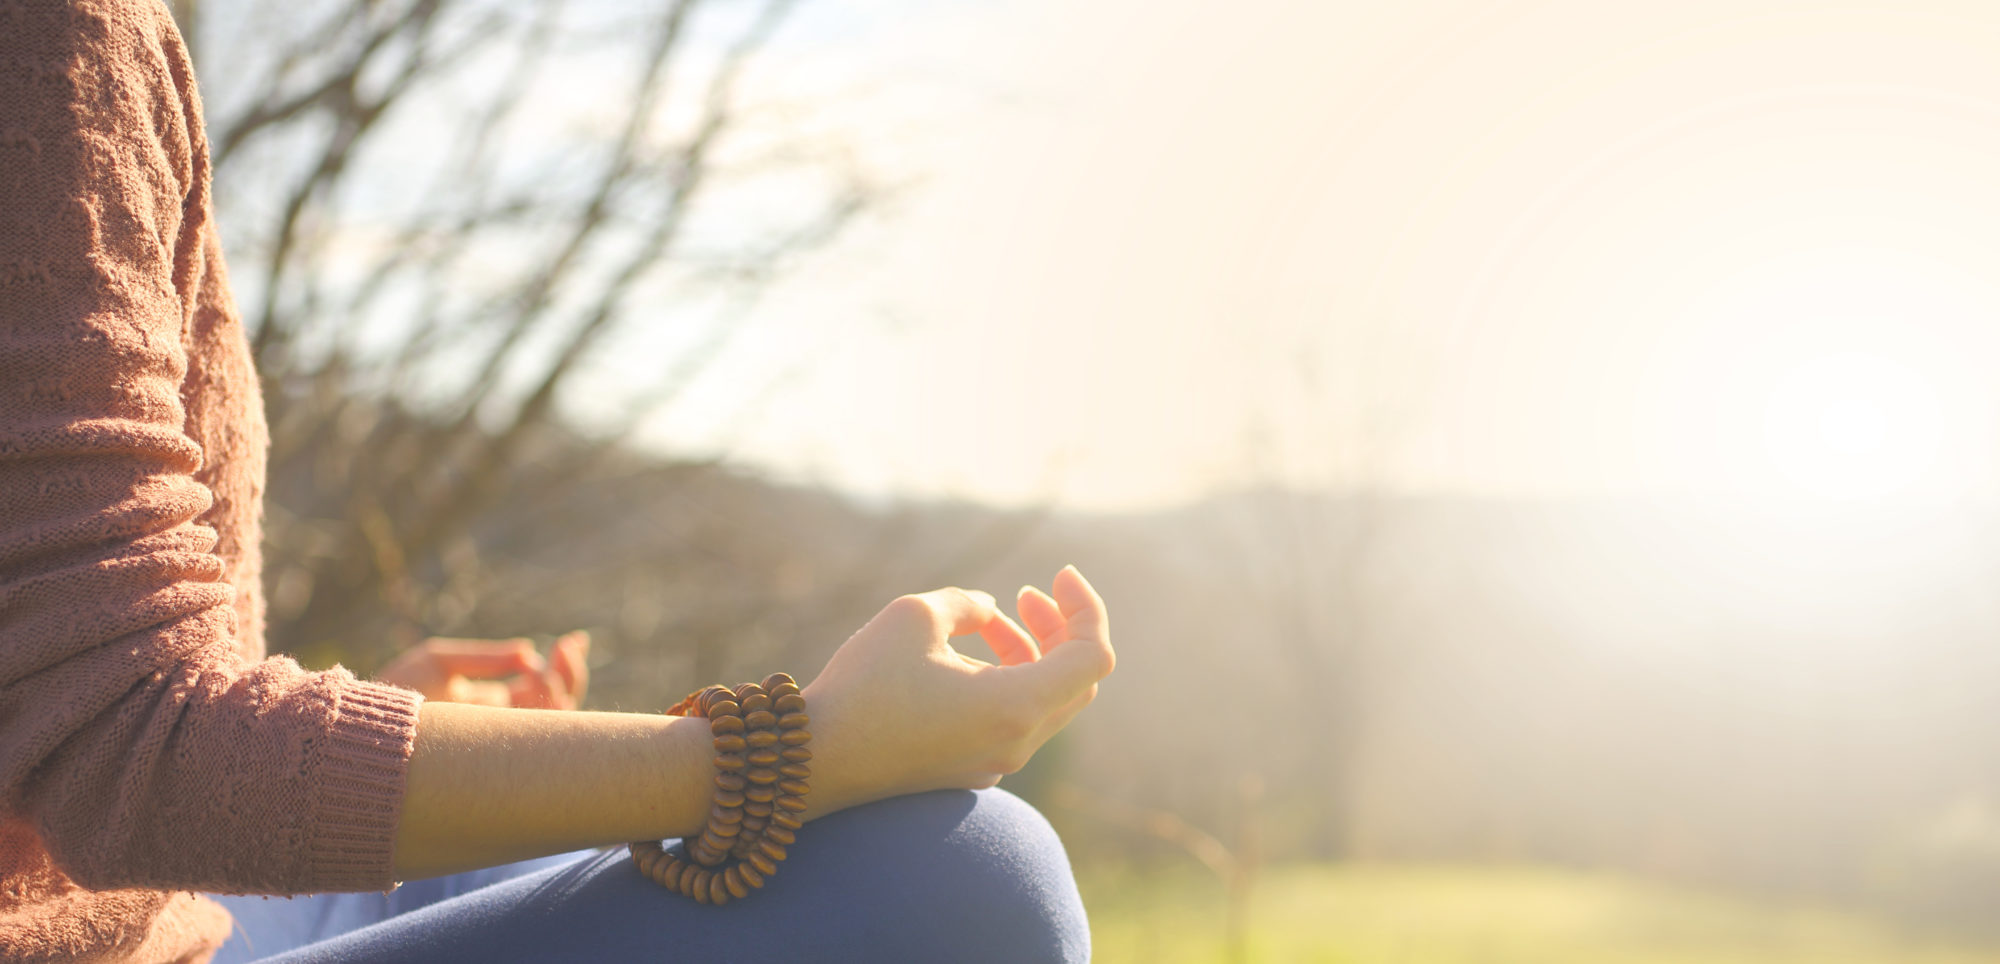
x=489 y=785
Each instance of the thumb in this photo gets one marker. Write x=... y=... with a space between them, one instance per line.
x=1063 y=673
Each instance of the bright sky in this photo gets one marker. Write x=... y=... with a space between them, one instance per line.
x=1734 y=248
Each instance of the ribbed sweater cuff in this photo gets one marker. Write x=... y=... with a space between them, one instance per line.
x=362 y=768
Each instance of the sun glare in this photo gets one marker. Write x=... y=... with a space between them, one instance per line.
x=1851 y=377
x=1851 y=426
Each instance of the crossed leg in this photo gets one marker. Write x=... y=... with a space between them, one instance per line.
x=958 y=875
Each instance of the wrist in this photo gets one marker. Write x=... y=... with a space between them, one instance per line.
x=846 y=769
x=759 y=732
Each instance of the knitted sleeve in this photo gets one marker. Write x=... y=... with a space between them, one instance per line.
x=146 y=751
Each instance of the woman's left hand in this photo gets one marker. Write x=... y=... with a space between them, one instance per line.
x=495 y=672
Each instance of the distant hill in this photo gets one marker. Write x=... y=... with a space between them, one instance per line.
x=1792 y=701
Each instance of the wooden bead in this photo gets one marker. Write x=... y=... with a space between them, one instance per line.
x=710 y=696
x=733 y=879
x=759 y=731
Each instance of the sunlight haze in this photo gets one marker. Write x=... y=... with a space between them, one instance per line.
x=1145 y=251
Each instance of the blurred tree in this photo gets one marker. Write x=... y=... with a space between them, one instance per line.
x=439 y=213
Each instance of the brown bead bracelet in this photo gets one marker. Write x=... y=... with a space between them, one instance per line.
x=760 y=737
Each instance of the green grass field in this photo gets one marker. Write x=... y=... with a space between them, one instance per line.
x=1459 y=915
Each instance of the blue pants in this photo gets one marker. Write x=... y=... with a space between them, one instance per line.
x=951 y=875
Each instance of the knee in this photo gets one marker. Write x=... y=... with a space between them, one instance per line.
x=973 y=874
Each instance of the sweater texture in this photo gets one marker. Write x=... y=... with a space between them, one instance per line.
x=148 y=749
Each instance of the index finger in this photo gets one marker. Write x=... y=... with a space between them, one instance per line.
x=952 y=611
x=1009 y=641
x=483 y=658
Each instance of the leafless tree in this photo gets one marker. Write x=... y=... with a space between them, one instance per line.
x=440 y=212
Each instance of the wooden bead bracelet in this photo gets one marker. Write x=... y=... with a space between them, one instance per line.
x=760 y=736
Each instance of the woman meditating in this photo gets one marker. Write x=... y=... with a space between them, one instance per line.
x=152 y=757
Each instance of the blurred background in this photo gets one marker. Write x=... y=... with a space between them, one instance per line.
x=1540 y=455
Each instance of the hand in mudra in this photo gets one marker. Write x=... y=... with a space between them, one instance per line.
x=897 y=710
x=493 y=672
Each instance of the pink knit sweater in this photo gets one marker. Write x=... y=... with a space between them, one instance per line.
x=147 y=747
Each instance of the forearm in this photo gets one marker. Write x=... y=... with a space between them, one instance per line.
x=490 y=785
x=487 y=785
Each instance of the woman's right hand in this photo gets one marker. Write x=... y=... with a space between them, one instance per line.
x=897 y=710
